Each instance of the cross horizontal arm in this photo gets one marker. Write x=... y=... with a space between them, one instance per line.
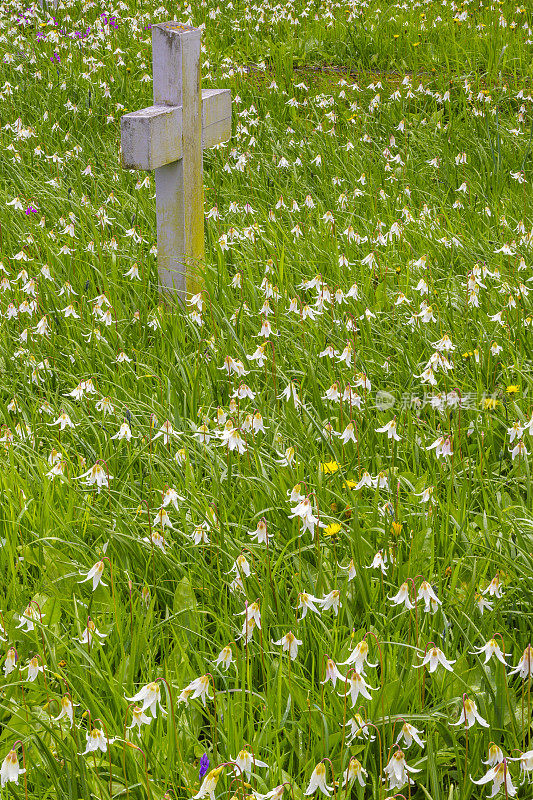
x=152 y=137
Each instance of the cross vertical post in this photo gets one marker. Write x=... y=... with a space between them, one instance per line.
x=179 y=185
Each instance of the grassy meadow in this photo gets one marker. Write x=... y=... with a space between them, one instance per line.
x=277 y=541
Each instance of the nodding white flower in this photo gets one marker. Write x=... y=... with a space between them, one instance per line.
x=332 y=673
x=442 y=447
x=499 y=774
x=359 y=656
x=260 y=534
x=481 y=603
x=304 y=510
x=199 y=687
x=305 y=601
x=246 y=763
x=10 y=661
x=494 y=588
x=332 y=393
x=318 y=781
x=353 y=772
x=515 y=431
x=64 y=421
x=10 y=769
x=427 y=594
x=67 y=710
x=241 y=566
x=233 y=365
x=295 y=495
x=96 y=475
x=138 y=718
x=162 y=519
x=348 y=434
x=402 y=596
x=351 y=570
x=469 y=715
x=95 y=574
x=28 y=618
x=209 y=784
x=274 y=794
x=290 y=644
x=225 y=657
x=34 y=667
x=491 y=648
x=252 y=611
x=291 y=392
x=332 y=600
x=166 y=431
x=156 y=539
x=328 y=352
x=96 y=740
x=365 y=480
x=357 y=686
x=495 y=756
x=380 y=562
x=124 y=432
x=257 y=423
x=409 y=734
x=519 y=450
x=150 y=697
x=171 y=496
x=433 y=658
x=90 y=631
x=524 y=668
x=526 y=762
x=232 y=438
x=360 y=727
x=397 y=771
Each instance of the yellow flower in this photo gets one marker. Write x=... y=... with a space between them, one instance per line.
x=490 y=404
x=512 y=389
x=349 y=484
x=396 y=528
x=329 y=467
x=332 y=529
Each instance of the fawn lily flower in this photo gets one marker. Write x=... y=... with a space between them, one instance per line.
x=252 y=611
x=28 y=618
x=290 y=644
x=409 y=734
x=397 y=771
x=225 y=657
x=519 y=450
x=359 y=656
x=390 y=430
x=96 y=475
x=95 y=574
x=247 y=763
x=10 y=661
x=67 y=710
x=305 y=601
x=526 y=762
x=260 y=533
x=359 y=727
x=166 y=431
x=332 y=600
x=380 y=562
x=10 y=769
x=241 y=566
x=64 y=421
x=332 y=673
x=209 y=784
x=138 y=718
x=353 y=772
x=499 y=774
x=427 y=594
x=318 y=781
x=494 y=588
x=348 y=434
x=304 y=510
x=200 y=688
x=150 y=697
x=274 y=794
x=524 y=668
x=434 y=657
x=124 y=432
x=469 y=715
x=495 y=756
x=402 y=596
x=357 y=685
x=491 y=648
x=33 y=668
x=95 y=740
x=90 y=631
x=295 y=495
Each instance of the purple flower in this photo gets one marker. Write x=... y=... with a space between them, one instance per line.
x=204 y=765
x=31 y=210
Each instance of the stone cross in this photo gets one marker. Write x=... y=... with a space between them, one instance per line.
x=169 y=138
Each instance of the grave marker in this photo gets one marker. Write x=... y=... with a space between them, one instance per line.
x=169 y=138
